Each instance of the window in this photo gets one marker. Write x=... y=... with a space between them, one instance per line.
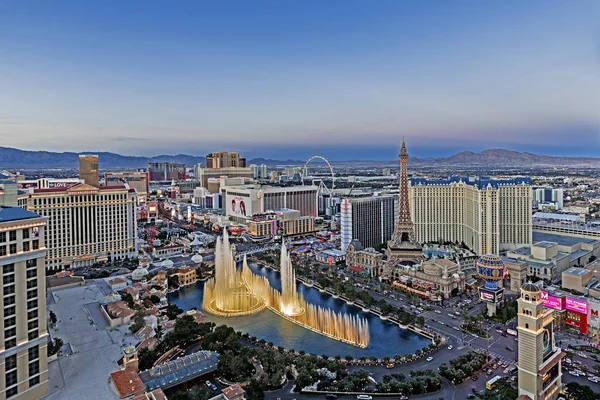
x=2 y=237
x=10 y=362
x=25 y=233
x=9 y=300
x=10 y=332
x=25 y=246
x=32 y=273
x=35 y=244
x=34 y=368
x=13 y=249
x=8 y=268
x=34 y=381
x=12 y=235
x=10 y=343
x=9 y=311
x=12 y=391
x=32 y=304
x=10 y=289
x=8 y=279
x=31 y=283
x=34 y=353
x=32 y=335
x=32 y=263
x=2 y=251
x=8 y=322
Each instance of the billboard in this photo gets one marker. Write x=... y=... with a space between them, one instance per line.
x=548 y=341
x=551 y=301
x=594 y=320
x=576 y=305
x=238 y=206
x=487 y=295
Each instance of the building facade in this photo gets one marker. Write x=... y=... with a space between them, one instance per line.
x=86 y=224
x=88 y=169
x=282 y=222
x=202 y=175
x=242 y=201
x=361 y=259
x=539 y=359
x=370 y=220
x=23 y=333
x=166 y=171
x=135 y=180
x=486 y=215
x=224 y=159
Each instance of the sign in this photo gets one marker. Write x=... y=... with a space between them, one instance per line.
x=594 y=320
x=548 y=341
x=238 y=206
x=486 y=296
x=551 y=301
x=576 y=305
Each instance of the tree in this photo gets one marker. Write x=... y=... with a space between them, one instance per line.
x=154 y=299
x=503 y=391
x=146 y=358
x=54 y=346
x=581 y=392
x=255 y=390
x=172 y=311
x=138 y=322
x=52 y=318
x=128 y=298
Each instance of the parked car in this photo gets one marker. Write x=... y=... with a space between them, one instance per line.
x=474 y=377
x=450 y=347
x=429 y=359
x=364 y=397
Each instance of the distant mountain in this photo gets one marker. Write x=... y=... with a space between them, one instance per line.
x=14 y=159
x=502 y=157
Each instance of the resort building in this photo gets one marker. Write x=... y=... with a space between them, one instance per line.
x=435 y=279
x=370 y=220
x=487 y=215
x=359 y=259
x=86 y=224
x=280 y=222
x=23 y=333
x=186 y=276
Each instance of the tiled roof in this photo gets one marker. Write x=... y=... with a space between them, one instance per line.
x=127 y=382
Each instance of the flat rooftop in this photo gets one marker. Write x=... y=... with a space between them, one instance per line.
x=560 y=239
x=545 y=244
x=574 y=271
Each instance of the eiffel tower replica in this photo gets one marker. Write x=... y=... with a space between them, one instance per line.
x=402 y=248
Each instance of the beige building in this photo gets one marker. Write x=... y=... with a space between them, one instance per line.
x=135 y=180
x=368 y=259
x=88 y=169
x=576 y=278
x=86 y=224
x=486 y=215
x=539 y=359
x=204 y=174
x=431 y=278
x=224 y=159
x=23 y=334
x=284 y=222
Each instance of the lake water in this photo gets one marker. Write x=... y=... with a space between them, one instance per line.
x=386 y=338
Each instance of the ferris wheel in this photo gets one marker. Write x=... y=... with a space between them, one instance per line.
x=322 y=184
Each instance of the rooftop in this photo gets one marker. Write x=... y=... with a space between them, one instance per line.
x=574 y=271
x=180 y=370
x=8 y=214
x=545 y=244
x=480 y=182
x=577 y=254
x=560 y=239
x=333 y=252
x=127 y=382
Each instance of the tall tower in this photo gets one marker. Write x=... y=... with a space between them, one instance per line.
x=402 y=247
x=88 y=169
x=539 y=360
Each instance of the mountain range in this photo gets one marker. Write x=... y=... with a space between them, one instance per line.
x=11 y=158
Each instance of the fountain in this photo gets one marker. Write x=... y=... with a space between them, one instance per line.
x=234 y=293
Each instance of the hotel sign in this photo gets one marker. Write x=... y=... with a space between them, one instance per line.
x=551 y=301
x=594 y=314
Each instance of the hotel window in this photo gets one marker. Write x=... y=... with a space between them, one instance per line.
x=9 y=300
x=31 y=273
x=34 y=368
x=2 y=251
x=13 y=249
x=31 y=283
x=32 y=304
x=25 y=233
x=10 y=332
x=32 y=325
x=32 y=335
x=8 y=268
x=31 y=294
x=10 y=343
x=10 y=362
x=25 y=246
x=34 y=381
x=8 y=322
x=32 y=314
x=8 y=279
x=2 y=237
x=9 y=311
x=35 y=244
x=12 y=236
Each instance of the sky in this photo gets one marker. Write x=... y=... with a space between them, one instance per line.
x=290 y=78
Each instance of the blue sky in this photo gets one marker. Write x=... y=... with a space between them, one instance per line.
x=285 y=79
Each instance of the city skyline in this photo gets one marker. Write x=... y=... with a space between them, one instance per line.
x=277 y=80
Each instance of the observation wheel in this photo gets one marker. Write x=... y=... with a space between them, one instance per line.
x=322 y=184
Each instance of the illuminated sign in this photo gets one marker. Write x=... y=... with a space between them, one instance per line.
x=486 y=296
x=579 y=306
x=595 y=314
x=551 y=301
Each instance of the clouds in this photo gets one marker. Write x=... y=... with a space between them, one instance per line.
x=270 y=77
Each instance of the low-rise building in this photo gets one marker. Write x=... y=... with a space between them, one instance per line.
x=368 y=259
x=167 y=251
x=117 y=313
x=433 y=279
x=576 y=278
x=331 y=256
x=117 y=283
x=186 y=276
x=281 y=222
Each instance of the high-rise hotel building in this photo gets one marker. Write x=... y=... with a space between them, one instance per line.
x=88 y=169
x=86 y=224
x=487 y=215
x=369 y=220
x=23 y=333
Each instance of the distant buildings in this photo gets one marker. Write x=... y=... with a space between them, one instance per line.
x=135 y=180
x=88 y=169
x=23 y=343
x=280 y=222
x=487 y=215
x=365 y=261
x=548 y=198
x=223 y=159
x=370 y=220
x=165 y=171
x=86 y=224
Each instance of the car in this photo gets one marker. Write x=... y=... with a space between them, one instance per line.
x=582 y=355
x=429 y=359
x=456 y=328
x=474 y=377
x=594 y=379
x=441 y=323
x=390 y=366
x=474 y=335
x=489 y=372
x=438 y=312
x=364 y=397
x=214 y=387
x=504 y=365
x=208 y=383
x=450 y=315
x=456 y=313
x=403 y=397
x=495 y=366
x=470 y=396
x=450 y=347
x=513 y=378
x=331 y=396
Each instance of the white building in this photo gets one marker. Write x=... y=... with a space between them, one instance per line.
x=486 y=215
x=86 y=224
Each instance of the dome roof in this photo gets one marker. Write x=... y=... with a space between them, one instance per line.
x=530 y=287
x=166 y=264
x=139 y=273
x=197 y=258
